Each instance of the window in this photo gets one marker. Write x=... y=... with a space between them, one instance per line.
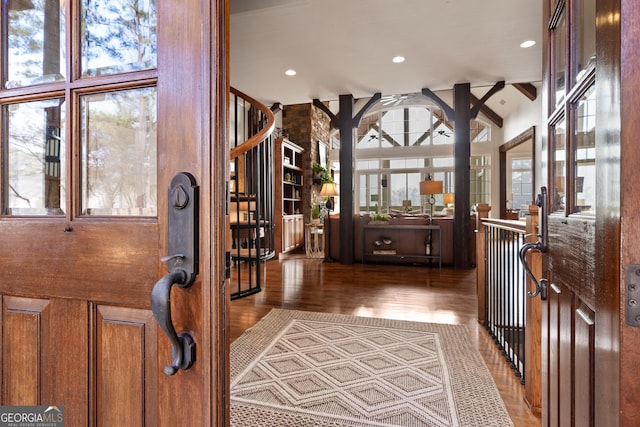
x=521 y=183
x=109 y=157
x=480 y=189
x=398 y=147
x=572 y=121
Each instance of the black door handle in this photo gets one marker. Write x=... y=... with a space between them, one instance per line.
x=182 y=265
x=182 y=345
x=540 y=245
x=541 y=286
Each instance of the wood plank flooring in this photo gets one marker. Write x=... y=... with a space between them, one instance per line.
x=404 y=292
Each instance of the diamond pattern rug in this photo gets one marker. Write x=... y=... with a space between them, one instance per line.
x=296 y=368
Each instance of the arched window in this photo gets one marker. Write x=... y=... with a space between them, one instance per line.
x=397 y=146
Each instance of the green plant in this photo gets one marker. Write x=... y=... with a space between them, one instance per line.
x=317 y=167
x=321 y=173
x=380 y=217
x=315 y=212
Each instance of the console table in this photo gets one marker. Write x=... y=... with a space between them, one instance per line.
x=401 y=241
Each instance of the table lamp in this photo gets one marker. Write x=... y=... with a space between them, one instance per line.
x=328 y=190
x=429 y=187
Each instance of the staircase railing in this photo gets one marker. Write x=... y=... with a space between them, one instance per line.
x=251 y=204
x=511 y=318
x=505 y=290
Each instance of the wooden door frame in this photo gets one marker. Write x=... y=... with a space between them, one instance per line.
x=200 y=396
x=628 y=247
x=529 y=134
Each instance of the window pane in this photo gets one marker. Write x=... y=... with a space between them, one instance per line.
x=559 y=53
x=559 y=164
x=419 y=126
x=36 y=41
x=521 y=184
x=118 y=36
x=479 y=131
x=585 y=153
x=585 y=55
x=405 y=191
x=35 y=158
x=370 y=199
x=119 y=153
x=480 y=191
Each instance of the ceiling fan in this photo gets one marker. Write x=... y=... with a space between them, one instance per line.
x=444 y=133
x=393 y=100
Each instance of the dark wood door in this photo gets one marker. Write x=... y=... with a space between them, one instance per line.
x=581 y=145
x=102 y=103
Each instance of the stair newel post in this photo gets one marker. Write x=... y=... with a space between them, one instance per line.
x=483 y=212
x=533 y=331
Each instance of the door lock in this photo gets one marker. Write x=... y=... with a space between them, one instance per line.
x=183 y=215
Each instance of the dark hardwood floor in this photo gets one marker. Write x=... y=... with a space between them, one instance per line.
x=404 y=292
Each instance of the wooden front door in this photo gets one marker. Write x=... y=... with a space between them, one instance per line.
x=102 y=103
x=581 y=147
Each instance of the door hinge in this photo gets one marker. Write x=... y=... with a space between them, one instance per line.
x=632 y=294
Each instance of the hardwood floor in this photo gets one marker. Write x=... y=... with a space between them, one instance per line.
x=403 y=292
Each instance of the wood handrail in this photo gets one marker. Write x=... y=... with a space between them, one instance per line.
x=506 y=224
x=263 y=134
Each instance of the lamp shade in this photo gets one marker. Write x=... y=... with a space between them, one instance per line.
x=329 y=189
x=448 y=198
x=430 y=187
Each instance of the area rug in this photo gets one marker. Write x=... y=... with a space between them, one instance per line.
x=296 y=368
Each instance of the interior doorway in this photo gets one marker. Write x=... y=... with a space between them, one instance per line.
x=517 y=174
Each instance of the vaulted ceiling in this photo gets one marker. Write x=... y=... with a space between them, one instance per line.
x=346 y=47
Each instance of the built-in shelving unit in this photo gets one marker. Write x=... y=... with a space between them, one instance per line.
x=289 y=187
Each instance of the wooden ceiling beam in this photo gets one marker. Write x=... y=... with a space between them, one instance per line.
x=527 y=89
x=491 y=115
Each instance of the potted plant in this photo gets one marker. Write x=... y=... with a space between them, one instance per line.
x=320 y=174
x=379 y=218
x=315 y=214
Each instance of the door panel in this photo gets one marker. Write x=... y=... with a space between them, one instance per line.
x=23 y=320
x=44 y=345
x=565 y=356
x=584 y=365
x=550 y=407
x=581 y=157
x=125 y=376
x=89 y=147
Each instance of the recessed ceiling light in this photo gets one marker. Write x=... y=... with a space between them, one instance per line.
x=527 y=44
x=398 y=59
x=290 y=72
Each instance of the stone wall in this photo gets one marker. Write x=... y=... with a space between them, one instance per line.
x=305 y=125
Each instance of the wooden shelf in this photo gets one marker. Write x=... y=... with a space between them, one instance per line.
x=289 y=196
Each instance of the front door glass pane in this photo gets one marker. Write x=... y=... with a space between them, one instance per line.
x=118 y=149
x=118 y=36
x=560 y=58
x=35 y=158
x=585 y=55
x=35 y=42
x=559 y=166
x=585 y=153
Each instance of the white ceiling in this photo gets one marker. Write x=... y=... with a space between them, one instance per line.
x=346 y=46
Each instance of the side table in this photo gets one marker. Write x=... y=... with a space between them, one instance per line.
x=314 y=240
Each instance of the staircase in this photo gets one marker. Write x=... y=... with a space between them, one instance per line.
x=251 y=192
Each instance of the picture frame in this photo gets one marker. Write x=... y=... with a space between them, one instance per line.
x=322 y=153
